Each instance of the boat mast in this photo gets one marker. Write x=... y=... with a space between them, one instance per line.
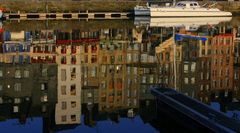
x=174 y=60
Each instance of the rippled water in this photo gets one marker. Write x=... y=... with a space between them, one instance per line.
x=94 y=76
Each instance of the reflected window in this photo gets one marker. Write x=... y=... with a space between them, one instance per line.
x=227 y=71
x=185 y=68
x=135 y=57
x=104 y=59
x=135 y=102
x=103 y=69
x=86 y=49
x=64 y=118
x=15 y=109
x=94 y=49
x=89 y=94
x=1 y=87
x=192 y=80
x=17 y=87
x=44 y=72
x=17 y=74
x=207 y=87
x=227 y=83
x=202 y=75
x=129 y=58
x=44 y=86
x=208 y=76
x=94 y=59
x=103 y=85
x=119 y=58
x=44 y=98
x=17 y=100
x=73 y=90
x=201 y=87
x=63 y=75
x=26 y=73
x=86 y=59
x=73 y=104
x=128 y=70
x=63 y=90
x=1 y=73
x=73 y=59
x=144 y=79
x=94 y=72
x=64 y=105
x=73 y=73
x=186 y=80
x=193 y=67
x=135 y=70
x=64 y=60
x=73 y=117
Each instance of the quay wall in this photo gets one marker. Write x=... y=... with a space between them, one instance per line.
x=92 y=5
x=67 y=6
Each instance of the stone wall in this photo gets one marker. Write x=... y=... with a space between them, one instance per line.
x=72 y=6
x=91 y=5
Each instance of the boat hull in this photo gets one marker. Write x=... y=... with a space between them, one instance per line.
x=187 y=21
x=156 y=13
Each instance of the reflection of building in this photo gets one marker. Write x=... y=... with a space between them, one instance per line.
x=222 y=62
x=15 y=52
x=236 y=84
x=165 y=56
x=68 y=108
x=204 y=70
x=27 y=87
x=178 y=64
x=112 y=68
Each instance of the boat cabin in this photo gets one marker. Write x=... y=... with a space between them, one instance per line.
x=188 y=4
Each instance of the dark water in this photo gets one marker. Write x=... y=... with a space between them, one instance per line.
x=94 y=76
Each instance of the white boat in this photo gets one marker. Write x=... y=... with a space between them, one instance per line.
x=186 y=9
x=189 y=23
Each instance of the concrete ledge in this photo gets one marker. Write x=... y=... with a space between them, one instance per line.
x=42 y=16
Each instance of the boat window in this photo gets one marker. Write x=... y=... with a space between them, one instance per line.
x=191 y=4
x=195 y=4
